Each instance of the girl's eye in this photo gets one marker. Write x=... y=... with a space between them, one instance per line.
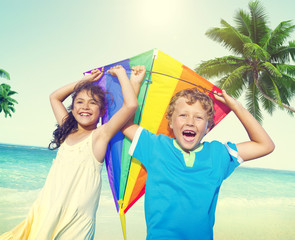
x=182 y=115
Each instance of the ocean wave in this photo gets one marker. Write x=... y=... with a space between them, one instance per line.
x=257 y=202
x=13 y=195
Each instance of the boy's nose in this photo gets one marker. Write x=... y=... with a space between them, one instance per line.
x=190 y=121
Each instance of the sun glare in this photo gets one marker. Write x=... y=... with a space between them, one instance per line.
x=159 y=12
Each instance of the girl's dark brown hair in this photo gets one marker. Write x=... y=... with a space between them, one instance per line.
x=70 y=124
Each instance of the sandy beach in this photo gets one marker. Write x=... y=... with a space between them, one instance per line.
x=235 y=219
x=273 y=221
x=108 y=225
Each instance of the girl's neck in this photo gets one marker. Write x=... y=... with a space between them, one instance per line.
x=82 y=129
x=77 y=136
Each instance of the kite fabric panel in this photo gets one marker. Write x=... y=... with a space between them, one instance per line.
x=165 y=76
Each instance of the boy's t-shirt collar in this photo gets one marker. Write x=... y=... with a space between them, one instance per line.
x=189 y=157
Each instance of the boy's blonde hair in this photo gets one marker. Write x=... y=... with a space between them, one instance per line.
x=193 y=95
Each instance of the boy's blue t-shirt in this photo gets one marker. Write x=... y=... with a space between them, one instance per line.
x=180 y=201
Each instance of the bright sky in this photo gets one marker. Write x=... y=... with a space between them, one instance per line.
x=47 y=44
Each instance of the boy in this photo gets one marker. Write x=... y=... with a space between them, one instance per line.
x=184 y=175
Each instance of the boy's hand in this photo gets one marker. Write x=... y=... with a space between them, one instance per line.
x=227 y=100
x=95 y=75
x=117 y=70
x=137 y=74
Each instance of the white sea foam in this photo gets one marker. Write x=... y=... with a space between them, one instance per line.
x=257 y=202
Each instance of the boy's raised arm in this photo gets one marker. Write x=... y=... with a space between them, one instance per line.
x=260 y=143
x=136 y=79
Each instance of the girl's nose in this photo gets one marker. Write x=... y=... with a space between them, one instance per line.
x=85 y=106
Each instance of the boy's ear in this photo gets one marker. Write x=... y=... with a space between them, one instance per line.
x=170 y=124
x=208 y=129
x=170 y=130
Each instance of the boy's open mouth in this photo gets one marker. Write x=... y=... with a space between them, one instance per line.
x=189 y=135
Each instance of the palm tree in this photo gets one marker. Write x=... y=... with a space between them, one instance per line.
x=261 y=68
x=6 y=101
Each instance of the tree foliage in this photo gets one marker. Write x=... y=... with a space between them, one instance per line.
x=6 y=101
x=261 y=65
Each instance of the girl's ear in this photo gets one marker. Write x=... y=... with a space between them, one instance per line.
x=102 y=112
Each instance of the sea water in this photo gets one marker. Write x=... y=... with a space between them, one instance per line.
x=23 y=171
x=250 y=199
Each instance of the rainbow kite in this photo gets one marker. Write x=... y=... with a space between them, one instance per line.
x=165 y=76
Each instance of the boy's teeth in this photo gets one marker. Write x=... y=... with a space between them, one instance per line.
x=190 y=133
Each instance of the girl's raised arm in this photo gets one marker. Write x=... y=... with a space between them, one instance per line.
x=136 y=80
x=59 y=95
x=128 y=108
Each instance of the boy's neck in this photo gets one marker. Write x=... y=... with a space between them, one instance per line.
x=195 y=149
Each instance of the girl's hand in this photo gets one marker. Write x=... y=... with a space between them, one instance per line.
x=95 y=75
x=117 y=70
x=137 y=74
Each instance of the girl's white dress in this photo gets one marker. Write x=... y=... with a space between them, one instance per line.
x=67 y=204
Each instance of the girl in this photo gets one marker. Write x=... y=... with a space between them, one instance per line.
x=66 y=207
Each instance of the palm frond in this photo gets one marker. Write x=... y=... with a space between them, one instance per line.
x=10 y=93
x=266 y=84
x=280 y=34
x=219 y=66
x=235 y=90
x=271 y=69
x=11 y=101
x=268 y=105
x=234 y=83
x=5 y=87
x=4 y=74
x=252 y=102
x=277 y=92
x=278 y=88
x=286 y=69
x=286 y=85
x=252 y=50
x=243 y=22
x=292 y=49
x=282 y=54
x=229 y=37
x=258 y=21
